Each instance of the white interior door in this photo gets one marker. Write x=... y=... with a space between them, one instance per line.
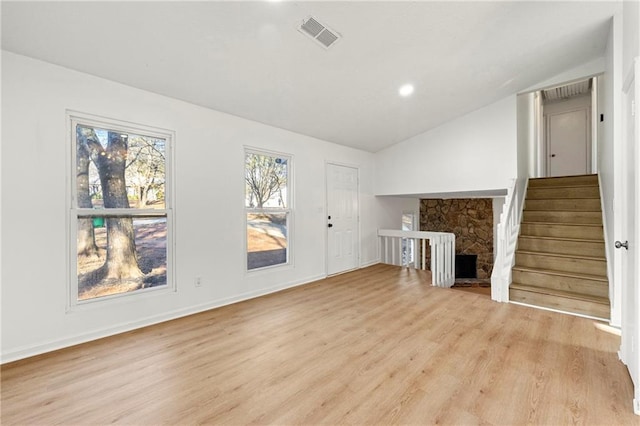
x=342 y=218
x=630 y=353
x=568 y=143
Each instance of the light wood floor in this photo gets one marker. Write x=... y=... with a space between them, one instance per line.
x=376 y=346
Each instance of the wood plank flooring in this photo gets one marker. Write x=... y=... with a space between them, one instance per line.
x=375 y=346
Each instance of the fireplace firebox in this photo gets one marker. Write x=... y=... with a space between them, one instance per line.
x=466 y=266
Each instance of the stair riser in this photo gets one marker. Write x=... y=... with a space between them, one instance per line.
x=584 y=266
x=559 y=282
x=564 y=181
x=571 y=204
x=594 y=218
x=579 y=248
x=583 y=307
x=575 y=192
x=562 y=231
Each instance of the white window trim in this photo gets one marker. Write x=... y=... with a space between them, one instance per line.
x=289 y=210
x=74 y=118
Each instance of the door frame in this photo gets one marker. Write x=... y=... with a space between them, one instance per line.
x=358 y=247
x=630 y=345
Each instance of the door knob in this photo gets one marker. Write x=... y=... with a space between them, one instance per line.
x=620 y=245
x=330 y=225
x=553 y=155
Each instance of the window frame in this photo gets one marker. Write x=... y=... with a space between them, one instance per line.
x=288 y=210
x=75 y=118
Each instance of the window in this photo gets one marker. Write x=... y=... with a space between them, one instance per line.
x=408 y=246
x=268 y=208
x=120 y=209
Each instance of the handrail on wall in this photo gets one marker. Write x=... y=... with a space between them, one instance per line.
x=442 y=246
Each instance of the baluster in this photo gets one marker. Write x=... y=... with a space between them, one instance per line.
x=440 y=262
x=393 y=251
x=448 y=261
x=445 y=261
x=434 y=261
x=452 y=256
x=386 y=250
x=452 y=260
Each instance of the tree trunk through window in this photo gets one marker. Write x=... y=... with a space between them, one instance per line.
x=86 y=237
x=121 y=262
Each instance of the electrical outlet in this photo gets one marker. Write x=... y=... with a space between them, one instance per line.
x=198 y=282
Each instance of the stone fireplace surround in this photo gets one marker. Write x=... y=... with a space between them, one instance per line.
x=470 y=219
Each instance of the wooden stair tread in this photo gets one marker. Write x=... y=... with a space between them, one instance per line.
x=577 y=240
x=586 y=185
x=583 y=175
x=567 y=191
x=563 y=211
x=567 y=256
x=530 y=222
x=587 y=176
x=567 y=198
x=577 y=180
x=560 y=293
x=589 y=277
x=560 y=204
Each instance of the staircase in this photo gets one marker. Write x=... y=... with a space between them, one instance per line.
x=560 y=260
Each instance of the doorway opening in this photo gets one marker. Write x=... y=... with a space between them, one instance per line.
x=566 y=117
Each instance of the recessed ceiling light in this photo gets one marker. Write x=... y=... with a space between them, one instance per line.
x=406 y=90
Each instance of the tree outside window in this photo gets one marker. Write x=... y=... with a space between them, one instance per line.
x=267 y=208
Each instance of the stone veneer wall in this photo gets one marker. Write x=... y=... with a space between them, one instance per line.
x=470 y=219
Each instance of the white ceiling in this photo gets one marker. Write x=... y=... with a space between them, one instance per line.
x=249 y=59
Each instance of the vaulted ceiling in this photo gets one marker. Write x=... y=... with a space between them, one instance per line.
x=249 y=58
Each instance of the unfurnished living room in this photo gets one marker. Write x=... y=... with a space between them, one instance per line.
x=320 y=212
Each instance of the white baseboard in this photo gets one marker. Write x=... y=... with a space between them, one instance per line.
x=33 y=350
x=371 y=263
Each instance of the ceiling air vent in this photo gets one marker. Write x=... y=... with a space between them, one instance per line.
x=320 y=33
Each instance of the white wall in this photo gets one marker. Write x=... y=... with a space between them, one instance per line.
x=579 y=72
x=526 y=135
x=474 y=152
x=390 y=209
x=609 y=104
x=209 y=226
x=631 y=36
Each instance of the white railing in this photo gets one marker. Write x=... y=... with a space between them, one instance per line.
x=507 y=238
x=442 y=244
